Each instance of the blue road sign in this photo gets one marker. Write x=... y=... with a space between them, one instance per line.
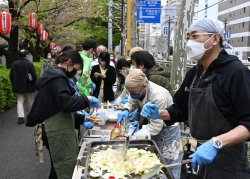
x=165 y=31
x=228 y=34
x=149 y=11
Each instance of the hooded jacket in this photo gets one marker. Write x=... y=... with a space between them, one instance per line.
x=18 y=76
x=158 y=75
x=54 y=95
x=231 y=90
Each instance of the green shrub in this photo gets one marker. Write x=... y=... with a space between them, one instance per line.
x=7 y=97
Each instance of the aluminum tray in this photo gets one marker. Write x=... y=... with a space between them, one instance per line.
x=148 y=145
x=91 y=133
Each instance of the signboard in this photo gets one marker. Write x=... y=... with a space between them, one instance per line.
x=228 y=34
x=165 y=31
x=148 y=11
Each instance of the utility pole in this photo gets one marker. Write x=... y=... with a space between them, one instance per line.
x=225 y=27
x=110 y=45
x=128 y=36
x=122 y=29
x=168 y=38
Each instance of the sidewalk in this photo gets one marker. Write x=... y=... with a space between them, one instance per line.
x=18 y=160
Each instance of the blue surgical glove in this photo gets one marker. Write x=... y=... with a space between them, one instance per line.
x=150 y=111
x=88 y=125
x=93 y=86
x=204 y=154
x=122 y=116
x=86 y=115
x=132 y=115
x=134 y=124
x=94 y=102
x=124 y=100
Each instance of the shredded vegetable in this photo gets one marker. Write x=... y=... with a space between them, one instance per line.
x=111 y=163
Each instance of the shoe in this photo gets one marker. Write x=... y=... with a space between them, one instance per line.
x=20 y=120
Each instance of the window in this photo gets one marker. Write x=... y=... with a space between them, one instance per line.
x=206 y=6
x=229 y=15
x=241 y=39
x=244 y=9
x=228 y=41
x=243 y=24
x=229 y=28
x=238 y=40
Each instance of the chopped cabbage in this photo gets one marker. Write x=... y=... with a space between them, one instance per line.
x=137 y=161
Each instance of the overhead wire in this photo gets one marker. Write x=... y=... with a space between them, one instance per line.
x=194 y=13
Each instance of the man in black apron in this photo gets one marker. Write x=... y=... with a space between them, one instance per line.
x=215 y=98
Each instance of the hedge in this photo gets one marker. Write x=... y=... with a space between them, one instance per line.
x=7 y=97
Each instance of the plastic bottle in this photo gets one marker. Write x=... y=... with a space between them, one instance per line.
x=130 y=131
x=143 y=133
x=123 y=128
x=102 y=114
x=108 y=104
x=115 y=132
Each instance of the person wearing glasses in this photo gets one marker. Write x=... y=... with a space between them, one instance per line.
x=215 y=98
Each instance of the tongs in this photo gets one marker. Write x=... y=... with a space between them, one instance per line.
x=157 y=168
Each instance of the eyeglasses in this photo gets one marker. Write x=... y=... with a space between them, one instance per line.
x=196 y=36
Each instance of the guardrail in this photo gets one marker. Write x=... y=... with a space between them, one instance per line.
x=189 y=65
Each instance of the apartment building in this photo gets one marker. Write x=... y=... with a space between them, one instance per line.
x=236 y=16
x=207 y=8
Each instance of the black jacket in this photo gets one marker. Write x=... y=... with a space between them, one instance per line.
x=231 y=90
x=108 y=82
x=54 y=95
x=18 y=76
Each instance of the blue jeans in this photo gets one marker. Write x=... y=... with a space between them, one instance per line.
x=169 y=144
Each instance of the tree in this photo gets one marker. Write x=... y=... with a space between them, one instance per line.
x=57 y=16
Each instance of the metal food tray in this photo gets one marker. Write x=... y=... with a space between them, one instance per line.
x=148 y=145
x=91 y=133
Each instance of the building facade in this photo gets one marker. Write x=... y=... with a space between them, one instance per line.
x=236 y=16
x=207 y=8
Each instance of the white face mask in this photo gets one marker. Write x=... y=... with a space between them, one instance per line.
x=79 y=72
x=195 y=50
x=111 y=58
x=124 y=72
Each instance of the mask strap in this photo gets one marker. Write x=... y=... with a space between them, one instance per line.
x=208 y=40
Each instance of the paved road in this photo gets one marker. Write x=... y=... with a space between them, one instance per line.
x=17 y=154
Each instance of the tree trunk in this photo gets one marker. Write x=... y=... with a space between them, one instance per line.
x=12 y=50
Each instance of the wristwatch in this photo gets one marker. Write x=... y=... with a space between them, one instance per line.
x=217 y=143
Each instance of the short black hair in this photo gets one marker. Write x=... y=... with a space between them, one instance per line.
x=88 y=44
x=106 y=57
x=23 y=53
x=143 y=58
x=71 y=54
x=122 y=63
x=67 y=48
x=221 y=42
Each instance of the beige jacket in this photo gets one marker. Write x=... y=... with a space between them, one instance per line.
x=155 y=94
